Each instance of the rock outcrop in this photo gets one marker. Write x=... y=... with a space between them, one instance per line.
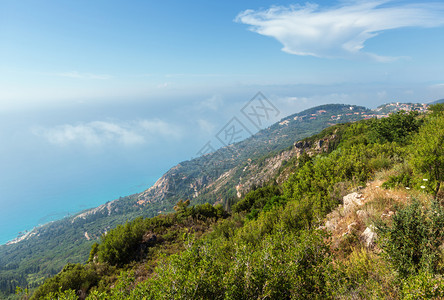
x=351 y=201
x=369 y=236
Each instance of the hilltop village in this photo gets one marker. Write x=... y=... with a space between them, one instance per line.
x=382 y=111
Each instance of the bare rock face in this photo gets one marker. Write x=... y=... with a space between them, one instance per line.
x=351 y=201
x=177 y=182
x=162 y=188
x=108 y=207
x=362 y=214
x=330 y=225
x=319 y=145
x=369 y=236
x=352 y=226
x=302 y=144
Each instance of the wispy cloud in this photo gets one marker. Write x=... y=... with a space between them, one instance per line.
x=99 y=133
x=194 y=75
x=159 y=128
x=206 y=126
x=339 y=31
x=163 y=85
x=213 y=103
x=78 y=75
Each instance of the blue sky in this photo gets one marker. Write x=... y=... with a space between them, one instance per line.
x=99 y=98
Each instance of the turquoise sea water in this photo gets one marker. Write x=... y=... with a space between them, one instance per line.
x=44 y=203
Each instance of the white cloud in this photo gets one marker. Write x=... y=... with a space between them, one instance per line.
x=195 y=75
x=99 y=133
x=206 y=126
x=213 y=103
x=317 y=99
x=75 y=74
x=159 y=127
x=163 y=85
x=290 y=104
x=339 y=31
x=382 y=94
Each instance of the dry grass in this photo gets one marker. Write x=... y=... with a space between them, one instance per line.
x=378 y=203
x=385 y=174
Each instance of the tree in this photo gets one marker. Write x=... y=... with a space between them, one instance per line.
x=121 y=245
x=93 y=252
x=437 y=109
x=428 y=151
x=73 y=278
x=256 y=199
x=395 y=128
x=181 y=205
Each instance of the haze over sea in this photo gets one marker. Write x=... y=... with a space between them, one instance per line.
x=81 y=155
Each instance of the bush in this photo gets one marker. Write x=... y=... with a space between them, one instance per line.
x=428 y=151
x=204 y=211
x=401 y=180
x=256 y=199
x=423 y=286
x=380 y=163
x=282 y=266
x=363 y=275
x=119 y=246
x=411 y=243
x=75 y=277
x=396 y=128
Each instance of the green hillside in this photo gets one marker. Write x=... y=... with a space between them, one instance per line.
x=437 y=101
x=361 y=218
x=45 y=250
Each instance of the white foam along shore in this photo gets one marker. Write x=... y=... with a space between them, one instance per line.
x=22 y=237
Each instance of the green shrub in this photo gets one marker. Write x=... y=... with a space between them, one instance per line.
x=427 y=150
x=423 y=286
x=363 y=275
x=380 y=163
x=275 y=201
x=282 y=266
x=411 y=243
x=74 y=277
x=252 y=215
x=226 y=228
x=396 y=128
x=120 y=245
x=61 y=295
x=256 y=199
x=401 y=180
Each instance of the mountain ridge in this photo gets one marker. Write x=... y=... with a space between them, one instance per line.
x=327 y=219
x=230 y=173
x=164 y=184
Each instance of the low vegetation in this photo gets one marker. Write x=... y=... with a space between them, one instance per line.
x=50 y=247
x=275 y=243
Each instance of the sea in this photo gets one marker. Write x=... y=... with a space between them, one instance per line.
x=45 y=203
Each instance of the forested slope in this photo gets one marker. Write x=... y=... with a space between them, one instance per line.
x=362 y=218
x=229 y=174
